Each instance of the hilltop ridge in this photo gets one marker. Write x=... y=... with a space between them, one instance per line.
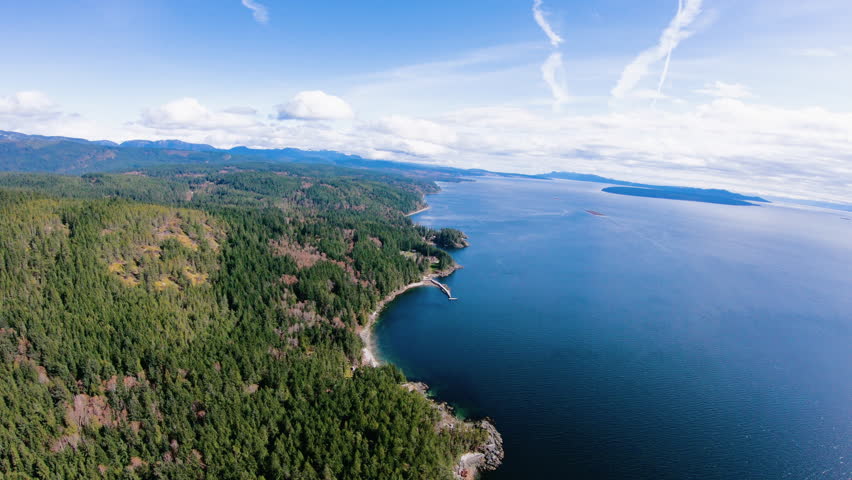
x=20 y=152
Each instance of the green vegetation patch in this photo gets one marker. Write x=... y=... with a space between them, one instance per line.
x=154 y=326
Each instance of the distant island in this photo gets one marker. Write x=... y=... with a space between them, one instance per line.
x=20 y=152
x=706 y=195
x=722 y=197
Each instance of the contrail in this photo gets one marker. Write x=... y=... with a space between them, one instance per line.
x=668 y=61
x=552 y=70
x=542 y=22
x=261 y=15
x=669 y=40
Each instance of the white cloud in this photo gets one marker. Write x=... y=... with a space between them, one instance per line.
x=542 y=22
x=258 y=10
x=668 y=59
x=189 y=113
x=315 y=105
x=553 y=69
x=725 y=142
x=241 y=110
x=35 y=112
x=669 y=40
x=725 y=90
x=400 y=136
x=28 y=104
x=416 y=129
x=815 y=52
x=553 y=73
x=648 y=94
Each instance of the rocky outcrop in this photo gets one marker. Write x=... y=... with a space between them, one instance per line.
x=450 y=238
x=486 y=456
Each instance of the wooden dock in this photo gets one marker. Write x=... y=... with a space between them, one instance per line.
x=444 y=289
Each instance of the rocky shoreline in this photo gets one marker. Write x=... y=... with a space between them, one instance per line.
x=486 y=456
x=489 y=454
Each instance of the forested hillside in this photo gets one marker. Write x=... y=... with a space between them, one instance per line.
x=198 y=322
x=20 y=152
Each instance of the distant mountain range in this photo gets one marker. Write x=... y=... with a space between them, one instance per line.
x=21 y=152
x=36 y=153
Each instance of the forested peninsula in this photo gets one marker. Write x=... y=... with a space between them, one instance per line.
x=200 y=322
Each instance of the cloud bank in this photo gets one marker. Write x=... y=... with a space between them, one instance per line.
x=725 y=142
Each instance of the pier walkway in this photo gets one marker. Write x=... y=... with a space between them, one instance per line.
x=443 y=288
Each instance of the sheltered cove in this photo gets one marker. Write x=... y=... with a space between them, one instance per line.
x=486 y=456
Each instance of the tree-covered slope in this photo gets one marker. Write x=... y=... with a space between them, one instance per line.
x=199 y=323
x=21 y=152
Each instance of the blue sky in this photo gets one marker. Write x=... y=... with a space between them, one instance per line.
x=756 y=96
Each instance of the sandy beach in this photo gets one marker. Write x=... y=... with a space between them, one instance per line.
x=427 y=207
x=369 y=355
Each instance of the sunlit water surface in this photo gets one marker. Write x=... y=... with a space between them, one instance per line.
x=666 y=340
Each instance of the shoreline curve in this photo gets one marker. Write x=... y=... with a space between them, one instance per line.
x=369 y=353
x=486 y=456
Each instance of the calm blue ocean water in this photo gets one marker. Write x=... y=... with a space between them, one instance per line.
x=666 y=340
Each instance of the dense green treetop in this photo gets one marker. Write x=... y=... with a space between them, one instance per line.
x=192 y=322
x=450 y=238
